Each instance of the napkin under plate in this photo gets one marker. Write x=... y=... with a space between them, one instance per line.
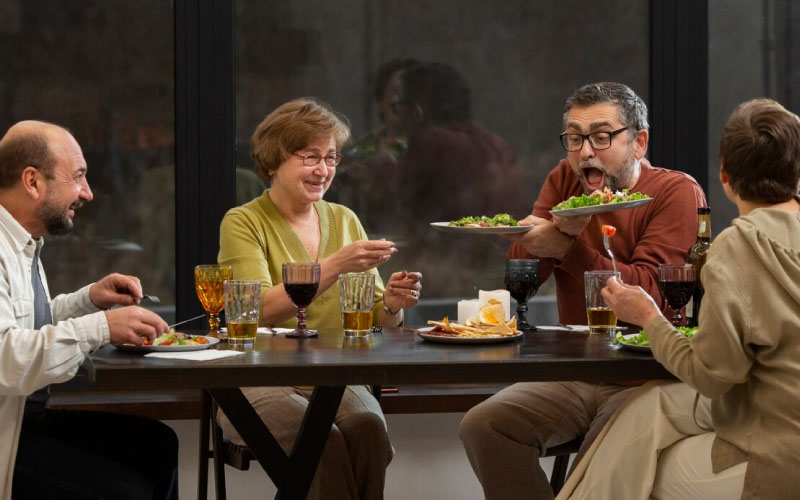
x=206 y=355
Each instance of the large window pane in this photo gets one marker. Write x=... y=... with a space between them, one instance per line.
x=754 y=46
x=520 y=61
x=104 y=69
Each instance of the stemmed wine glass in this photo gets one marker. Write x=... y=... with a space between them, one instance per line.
x=301 y=281
x=522 y=280
x=208 y=282
x=676 y=282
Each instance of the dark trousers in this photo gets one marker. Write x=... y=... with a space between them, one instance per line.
x=93 y=455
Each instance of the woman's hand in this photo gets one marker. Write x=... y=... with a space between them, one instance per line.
x=403 y=290
x=362 y=255
x=630 y=303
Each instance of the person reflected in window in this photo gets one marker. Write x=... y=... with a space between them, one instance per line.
x=455 y=165
x=731 y=429
x=453 y=168
x=372 y=159
x=65 y=454
x=297 y=147
x=605 y=137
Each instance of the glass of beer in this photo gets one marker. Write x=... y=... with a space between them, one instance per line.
x=357 y=298
x=602 y=318
x=242 y=307
x=208 y=280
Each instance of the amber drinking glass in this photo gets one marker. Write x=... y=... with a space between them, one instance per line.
x=301 y=281
x=208 y=282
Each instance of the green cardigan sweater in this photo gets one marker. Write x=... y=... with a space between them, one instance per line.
x=255 y=239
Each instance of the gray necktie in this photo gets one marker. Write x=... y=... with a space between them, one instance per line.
x=35 y=403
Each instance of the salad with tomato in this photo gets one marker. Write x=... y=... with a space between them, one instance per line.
x=175 y=338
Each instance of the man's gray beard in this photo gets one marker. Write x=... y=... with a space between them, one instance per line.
x=620 y=181
x=55 y=221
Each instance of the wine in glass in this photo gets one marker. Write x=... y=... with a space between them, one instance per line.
x=676 y=282
x=522 y=281
x=301 y=281
x=208 y=282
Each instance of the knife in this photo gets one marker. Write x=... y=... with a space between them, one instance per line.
x=186 y=321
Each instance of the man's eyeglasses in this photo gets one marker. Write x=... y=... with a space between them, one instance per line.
x=597 y=140
x=313 y=159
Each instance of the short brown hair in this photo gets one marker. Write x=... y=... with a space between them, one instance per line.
x=292 y=127
x=632 y=109
x=760 y=151
x=20 y=151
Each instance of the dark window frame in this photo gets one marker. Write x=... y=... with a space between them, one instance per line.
x=205 y=128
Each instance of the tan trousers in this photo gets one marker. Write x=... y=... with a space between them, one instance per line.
x=626 y=460
x=353 y=464
x=505 y=435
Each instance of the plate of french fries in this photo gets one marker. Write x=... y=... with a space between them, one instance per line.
x=489 y=326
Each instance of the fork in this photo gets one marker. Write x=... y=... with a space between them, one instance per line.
x=608 y=249
x=152 y=298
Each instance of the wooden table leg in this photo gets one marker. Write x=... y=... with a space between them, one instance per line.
x=291 y=475
x=202 y=466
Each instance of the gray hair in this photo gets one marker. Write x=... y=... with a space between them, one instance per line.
x=632 y=110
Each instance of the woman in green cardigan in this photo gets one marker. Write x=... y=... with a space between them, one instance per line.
x=296 y=148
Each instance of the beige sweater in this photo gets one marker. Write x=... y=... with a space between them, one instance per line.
x=746 y=354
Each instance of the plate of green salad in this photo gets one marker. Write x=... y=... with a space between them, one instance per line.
x=640 y=342
x=600 y=202
x=499 y=224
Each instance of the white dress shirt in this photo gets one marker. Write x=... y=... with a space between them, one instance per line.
x=31 y=359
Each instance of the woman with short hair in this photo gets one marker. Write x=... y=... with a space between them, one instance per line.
x=297 y=148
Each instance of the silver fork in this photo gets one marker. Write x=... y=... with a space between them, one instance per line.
x=608 y=249
x=152 y=298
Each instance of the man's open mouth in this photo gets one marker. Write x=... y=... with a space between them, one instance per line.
x=594 y=177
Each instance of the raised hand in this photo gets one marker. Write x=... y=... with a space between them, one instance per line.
x=544 y=239
x=362 y=255
x=403 y=290
x=630 y=303
x=572 y=226
x=127 y=325
x=116 y=289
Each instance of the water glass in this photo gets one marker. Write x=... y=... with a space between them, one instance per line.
x=242 y=307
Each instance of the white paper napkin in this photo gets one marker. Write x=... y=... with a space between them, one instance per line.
x=205 y=355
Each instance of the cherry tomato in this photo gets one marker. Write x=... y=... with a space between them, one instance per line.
x=609 y=230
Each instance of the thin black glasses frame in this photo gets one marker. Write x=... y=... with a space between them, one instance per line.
x=588 y=137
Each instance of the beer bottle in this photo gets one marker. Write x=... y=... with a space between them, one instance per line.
x=697 y=256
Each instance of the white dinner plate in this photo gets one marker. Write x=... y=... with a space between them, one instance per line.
x=445 y=227
x=599 y=209
x=426 y=334
x=167 y=348
x=634 y=347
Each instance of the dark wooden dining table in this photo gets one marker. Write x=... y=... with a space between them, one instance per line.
x=331 y=362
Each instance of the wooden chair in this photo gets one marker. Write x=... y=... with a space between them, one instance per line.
x=225 y=453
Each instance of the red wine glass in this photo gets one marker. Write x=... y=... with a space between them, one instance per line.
x=676 y=282
x=301 y=281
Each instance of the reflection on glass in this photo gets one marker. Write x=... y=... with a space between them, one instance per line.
x=488 y=133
